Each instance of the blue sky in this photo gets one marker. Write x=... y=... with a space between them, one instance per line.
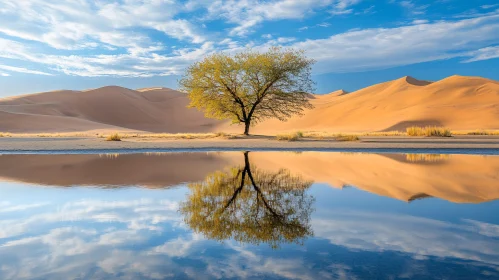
x=80 y=44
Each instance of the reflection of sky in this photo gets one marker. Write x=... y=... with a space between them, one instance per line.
x=132 y=233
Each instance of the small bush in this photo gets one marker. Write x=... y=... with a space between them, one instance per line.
x=428 y=131
x=114 y=137
x=347 y=138
x=289 y=137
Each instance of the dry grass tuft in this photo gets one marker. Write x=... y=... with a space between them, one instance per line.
x=348 y=137
x=481 y=132
x=173 y=136
x=114 y=137
x=428 y=131
x=289 y=136
x=384 y=133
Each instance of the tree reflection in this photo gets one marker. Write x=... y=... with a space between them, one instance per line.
x=250 y=205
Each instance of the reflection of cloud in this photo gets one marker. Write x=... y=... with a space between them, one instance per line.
x=179 y=247
x=247 y=264
x=485 y=228
x=419 y=237
x=136 y=214
x=145 y=239
x=6 y=206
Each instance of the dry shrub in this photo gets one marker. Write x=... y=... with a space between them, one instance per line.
x=347 y=137
x=428 y=131
x=114 y=137
x=289 y=136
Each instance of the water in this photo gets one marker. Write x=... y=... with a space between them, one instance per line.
x=273 y=215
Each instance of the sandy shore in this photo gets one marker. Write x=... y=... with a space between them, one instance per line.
x=480 y=144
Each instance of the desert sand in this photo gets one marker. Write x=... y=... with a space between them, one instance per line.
x=457 y=102
x=406 y=177
x=457 y=144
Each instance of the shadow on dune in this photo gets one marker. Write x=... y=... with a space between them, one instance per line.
x=402 y=126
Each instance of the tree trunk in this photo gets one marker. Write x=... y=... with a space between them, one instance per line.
x=246 y=127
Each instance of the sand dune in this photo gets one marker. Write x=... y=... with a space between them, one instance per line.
x=107 y=108
x=457 y=102
x=460 y=103
x=456 y=178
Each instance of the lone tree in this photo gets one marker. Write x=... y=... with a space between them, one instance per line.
x=250 y=86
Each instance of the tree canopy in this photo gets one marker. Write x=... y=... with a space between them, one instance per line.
x=250 y=86
x=251 y=206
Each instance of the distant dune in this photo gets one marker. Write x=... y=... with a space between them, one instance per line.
x=457 y=102
x=460 y=103
x=104 y=109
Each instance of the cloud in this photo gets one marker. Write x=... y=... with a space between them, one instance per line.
x=249 y=13
x=483 y=54
x=74 y=25
x=376 y=48
x=412 y=8
x=133 y=38
x=342 y=7
x=23 y=70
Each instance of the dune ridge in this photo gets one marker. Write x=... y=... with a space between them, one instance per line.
x=456 y=102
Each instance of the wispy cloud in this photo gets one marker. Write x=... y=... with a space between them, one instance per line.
x=483 y=54
x=249 y=13
x=343 y=7
x=23 y=70
x=130 y=38
x=411 y=7
x=388 y=47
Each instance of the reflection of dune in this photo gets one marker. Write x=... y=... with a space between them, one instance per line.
x=150 y=170
x=457 y=178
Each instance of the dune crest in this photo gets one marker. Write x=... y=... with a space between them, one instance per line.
x=457 y=102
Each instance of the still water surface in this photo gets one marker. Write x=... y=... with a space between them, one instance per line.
x=255 y=215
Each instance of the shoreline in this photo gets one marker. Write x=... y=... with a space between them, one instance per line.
x=383 y=144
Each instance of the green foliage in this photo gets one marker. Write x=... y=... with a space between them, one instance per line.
x=250 y=205
x=250 y=86
x=428 y=131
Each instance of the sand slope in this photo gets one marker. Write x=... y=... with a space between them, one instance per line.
x=460 y=103
x=457 y=102
x=107 y=108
